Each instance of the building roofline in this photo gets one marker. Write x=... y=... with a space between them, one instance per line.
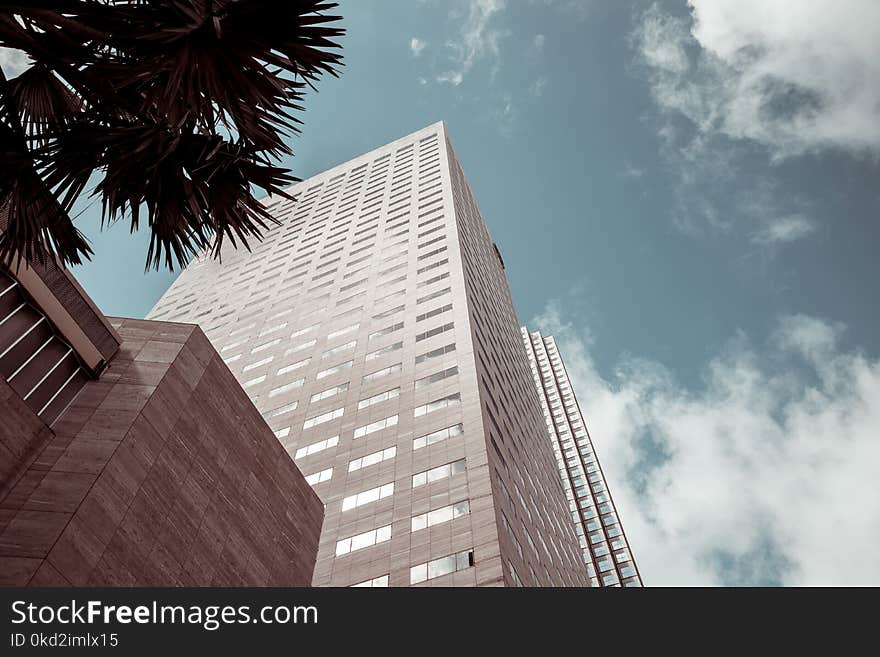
x=329 y=173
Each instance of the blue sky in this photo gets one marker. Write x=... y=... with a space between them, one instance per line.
x=686 y=194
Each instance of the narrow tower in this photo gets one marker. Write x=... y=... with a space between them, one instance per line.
x=605 y=549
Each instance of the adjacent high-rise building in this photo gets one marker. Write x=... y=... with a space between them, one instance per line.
x=373 y=328
x=605 y=549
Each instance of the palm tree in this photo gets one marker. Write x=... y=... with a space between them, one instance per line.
x=180 y=107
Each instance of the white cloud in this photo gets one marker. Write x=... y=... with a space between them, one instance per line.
x=538 y=42
x=416 y=46
x=476 y=40
x=504 y=115
x=537 y=87
x=766 y=473
x=13 y=61
x=718 y=191
x=781 y=230
x=633 y=172
x=794 y=76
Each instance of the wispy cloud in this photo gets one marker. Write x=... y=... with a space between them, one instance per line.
x=781 y=230
x=632 y=172
x=537 y=87
x=538 y=42
x=732 y=88
x=504 y=115
x=766 y=473
x=476 y=40
x=793 y=76
x=416 y=46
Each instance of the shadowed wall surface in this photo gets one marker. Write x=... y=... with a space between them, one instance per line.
x=160 y=473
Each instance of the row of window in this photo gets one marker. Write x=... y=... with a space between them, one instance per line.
x=326 y=262
x=596 y=524
x=429 y=570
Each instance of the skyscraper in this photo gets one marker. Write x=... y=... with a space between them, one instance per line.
x=374 y=329
x=605 y=549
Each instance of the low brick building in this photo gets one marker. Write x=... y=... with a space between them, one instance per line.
x=130 y=455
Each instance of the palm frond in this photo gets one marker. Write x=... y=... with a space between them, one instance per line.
x=181 y=105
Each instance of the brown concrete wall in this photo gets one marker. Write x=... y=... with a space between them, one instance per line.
x=22 y=434
x=162 y=473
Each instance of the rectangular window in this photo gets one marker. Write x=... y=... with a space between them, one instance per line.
x=429 y=231
x=364 y=540
x=330 y=392
x=265 y=345
x=425 y=256
x=314 y=448
x=281 y=410
x=435 y=353
x=441 y=515
x=242 y=329
x=343 y=331
x=362 y=249
x=434 y=313
x=430 y=333
x=355 y=273
x=385 y=331
x=389 y=312
x=378 y=374
x=346 y=313
x=433 y=295
x=253 y=366
x=352 y=263
x=346 y=300
x=376 y=582
x=430 y=221
x=378 y=399
x=335 y=369
x=272 y=329
x=392 y=295
x=373 y=355
x=439 y=567
x=233 y=345
x=288 y=386
x=432 y=280
x=438 y=473
x=299 y=347
x=324 y=417
x=373 y=427
x=319 y=287
x=437 y=376
x=437 y=404
x=392 y=269
x=372 y=459
x=293 y=366
x=253 y=382
x=438 y=436
x=318 y=477
x=433 y=241
x=367 y=496
x=339 y=349
x=393 y=281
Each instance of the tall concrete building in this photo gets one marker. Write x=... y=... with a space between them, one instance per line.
x=605 y=549
x=374 y=329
